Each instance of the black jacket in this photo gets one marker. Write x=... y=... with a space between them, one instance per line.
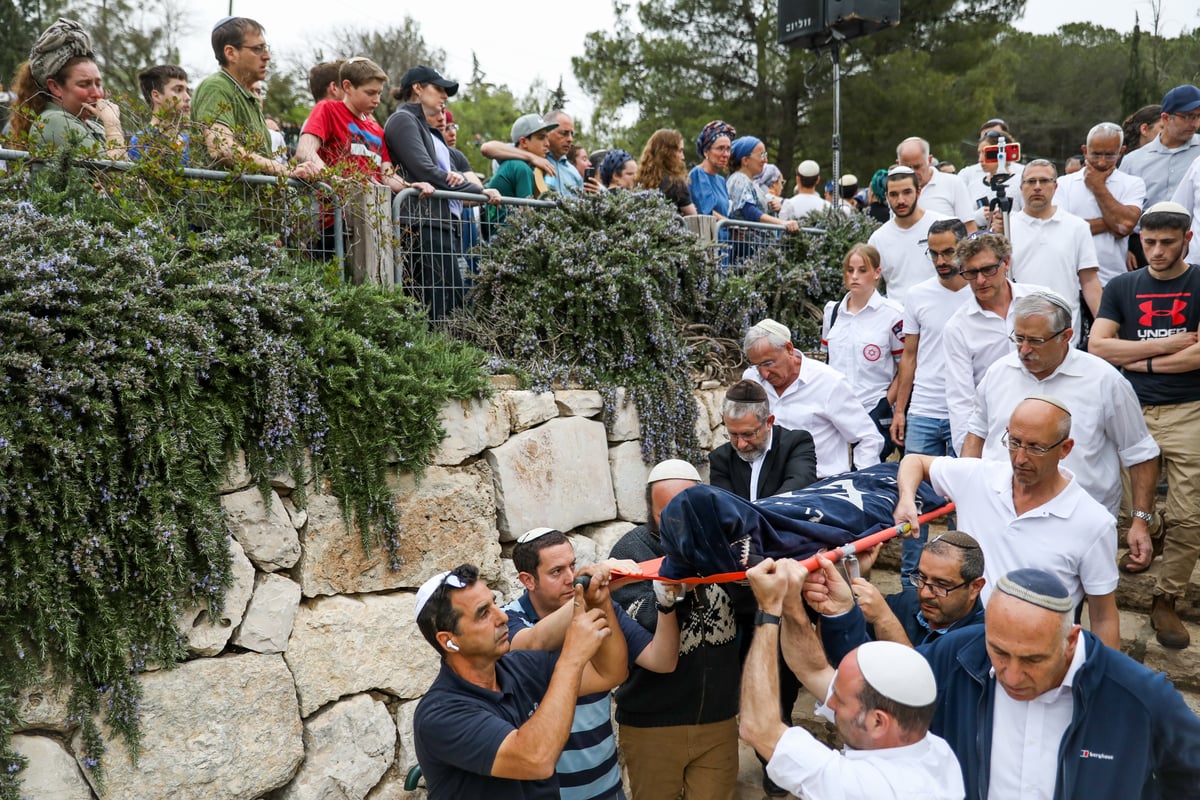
x=410 y=146
x=791 y=464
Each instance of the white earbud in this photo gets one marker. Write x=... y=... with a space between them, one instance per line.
x=451 y=646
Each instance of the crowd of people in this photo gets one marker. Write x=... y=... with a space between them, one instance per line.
x=1027 y=340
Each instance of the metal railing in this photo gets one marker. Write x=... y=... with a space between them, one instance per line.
x=307 y=218
x=741 y=241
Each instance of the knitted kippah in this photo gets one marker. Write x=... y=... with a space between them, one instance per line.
x=1037 y=587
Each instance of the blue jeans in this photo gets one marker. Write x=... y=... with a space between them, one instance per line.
x=928 y=437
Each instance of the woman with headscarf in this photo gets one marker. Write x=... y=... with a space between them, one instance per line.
x=662 y=168
x=771 y=179
x=60 y=96
x=705 y=181
x=747 y=200
x=618 y=170
x=877 y=206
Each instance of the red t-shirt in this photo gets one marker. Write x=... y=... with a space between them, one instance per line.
x=347 y=138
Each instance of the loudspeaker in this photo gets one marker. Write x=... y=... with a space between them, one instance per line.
x=811 y=23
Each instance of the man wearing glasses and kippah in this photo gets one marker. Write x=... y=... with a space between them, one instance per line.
x=1029 y=511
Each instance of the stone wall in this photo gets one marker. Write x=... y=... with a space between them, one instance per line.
x=305 y=687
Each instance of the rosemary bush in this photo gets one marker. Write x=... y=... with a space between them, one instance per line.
x=140 y=353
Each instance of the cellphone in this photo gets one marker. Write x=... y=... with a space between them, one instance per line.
x=589 y=173
x=1012 y=152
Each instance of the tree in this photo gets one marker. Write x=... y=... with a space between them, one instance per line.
x=128 y=38
x=395 y=49
x=484 y=112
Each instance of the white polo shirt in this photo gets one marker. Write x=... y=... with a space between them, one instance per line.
x=975 y=339
x=1052 y=252
x=801 y=205
x=902 y=254
x=926 y=769
x=945 y=194
x=1072 y=536
x=1074 y=195
x=821 y=402
x=980 y=191
x=1187 y=194
x=1107 y=434
x=1027 y=737
x=864 y=345
x=929 y=307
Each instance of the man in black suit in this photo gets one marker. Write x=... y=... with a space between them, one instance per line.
x=761 y=458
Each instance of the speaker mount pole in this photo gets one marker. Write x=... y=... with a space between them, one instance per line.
x=835 y=52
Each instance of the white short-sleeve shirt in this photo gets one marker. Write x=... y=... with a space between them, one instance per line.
x=1108 y=435
x=1052 y=252
x=928 y=308
x=945 y=194
x=1074 y=195
x=1072 y=536
x=864 y=345
x=902 y=254
x=1187 y=194
x=801 y=205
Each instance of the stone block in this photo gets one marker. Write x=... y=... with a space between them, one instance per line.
x=347 y=748
x=237 y=476
x=711 y=400
x=629 y=475
x=1181 y=666
x=208 y=636
x=345 y=645
x=212 y=729
x=555 y=475
x=406 y=752
x=446 y=520
x=605 y=535
x=625 y=426
x=267 y=623
x=51 y=773
x=702 y=428
x=43 y=706
x=471 y=427
x=265 y=531
x=526 y=408
x=578 y=402
x=585 y=550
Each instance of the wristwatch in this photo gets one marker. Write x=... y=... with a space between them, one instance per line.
x=763 y=618
x=1145 y=516
x=663 y=609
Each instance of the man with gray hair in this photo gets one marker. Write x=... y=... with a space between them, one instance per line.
x=806 y=395
x=1108 y=434
x=942 y=193
x=761 y=458
x=1052 y=246
x=1033 y=706
x=1108 y=199
x=1162 y=162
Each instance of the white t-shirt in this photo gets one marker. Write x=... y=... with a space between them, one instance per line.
x=902 y=254
x=947 y=195
x=1052 y=252
x=1187 y=194
x=975 y=339
x=1107 y=434
x=865 y=345
x=926 y=769
x=821 y=402
x=928 y=308
x=1074 y=196
x=801 y=205
x=1072 y=536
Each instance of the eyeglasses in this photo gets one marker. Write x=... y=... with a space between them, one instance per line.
x=1194 y=117
x=1034 y=341
x=987 y=272
x=453 y=126
x=947 y=254
x=1040 y=181
x=748 y=436
x=937 y=590
x=258 y=49
x=1035 y=450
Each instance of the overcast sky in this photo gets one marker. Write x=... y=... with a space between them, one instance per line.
x=514 y=49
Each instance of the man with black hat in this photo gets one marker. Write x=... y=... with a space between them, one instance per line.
x=881 y=698
x=494 y=722
x=1033 y=706
x=761 y=458
x=1162 y=162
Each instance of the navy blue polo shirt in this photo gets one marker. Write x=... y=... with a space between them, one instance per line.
x=459 y=727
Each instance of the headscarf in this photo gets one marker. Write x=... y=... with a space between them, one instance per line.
x=742 y=147
x=879 y=184
x=613 y=161
x=713 y=131
x=770 y=173
x=58 y=44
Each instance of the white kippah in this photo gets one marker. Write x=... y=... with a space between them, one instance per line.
x=426 y=591
x=898 y=673
x=673 y=469
x=1167 y=207
x=776 y=328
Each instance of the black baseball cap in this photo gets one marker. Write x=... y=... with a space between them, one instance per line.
x=423 y=74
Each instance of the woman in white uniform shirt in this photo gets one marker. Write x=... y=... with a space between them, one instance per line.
x=863 y=336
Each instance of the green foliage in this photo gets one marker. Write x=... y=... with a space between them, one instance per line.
x=595 y=292
x=141 y=351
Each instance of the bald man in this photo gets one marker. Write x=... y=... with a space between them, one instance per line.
x=1030 y=511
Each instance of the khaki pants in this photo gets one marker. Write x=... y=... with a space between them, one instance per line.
x=1176 y=428
x=699 y=760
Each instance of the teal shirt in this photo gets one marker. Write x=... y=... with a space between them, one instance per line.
x=221 y=99
x=513 y=179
